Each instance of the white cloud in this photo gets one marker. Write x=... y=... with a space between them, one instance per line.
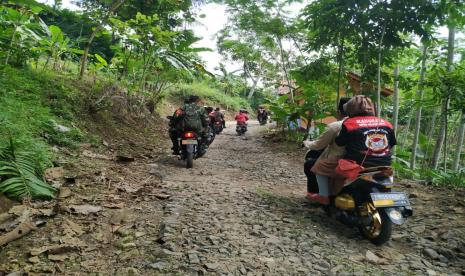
x=206 y=28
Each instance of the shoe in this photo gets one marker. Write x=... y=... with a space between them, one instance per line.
x=310 y=196
x=322 y=199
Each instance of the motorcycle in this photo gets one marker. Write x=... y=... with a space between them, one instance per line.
x=262 y=120
x=190 y=144
x=218 y=127
x=370 y=204
x=241 y=129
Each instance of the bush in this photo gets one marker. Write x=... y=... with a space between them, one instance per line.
x=209 y=95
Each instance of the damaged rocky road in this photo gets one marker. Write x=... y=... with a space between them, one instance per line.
x=240 y=211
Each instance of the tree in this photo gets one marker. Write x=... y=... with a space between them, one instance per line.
x=103 y=15
x=419 y=103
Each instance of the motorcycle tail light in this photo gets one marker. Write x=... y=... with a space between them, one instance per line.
x=189 y=135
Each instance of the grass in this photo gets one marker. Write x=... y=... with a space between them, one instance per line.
x=32 y=105
x=209 y=95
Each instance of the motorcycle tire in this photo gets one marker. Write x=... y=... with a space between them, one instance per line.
x=385 y=230
x=189 y=160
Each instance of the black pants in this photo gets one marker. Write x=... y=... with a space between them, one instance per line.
x=312 y=185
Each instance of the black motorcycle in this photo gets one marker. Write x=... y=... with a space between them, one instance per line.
x=241 y=129
x=190 y=148
x=262 y=120
x=218 y=127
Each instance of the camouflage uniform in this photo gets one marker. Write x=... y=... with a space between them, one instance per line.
x=177 y=124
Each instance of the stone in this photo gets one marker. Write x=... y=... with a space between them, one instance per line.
x=372 y=258
x=431 y=272
x=431 y=253
x=211 y=266
x=160 y=265
x=193 y=258
x=419 y=229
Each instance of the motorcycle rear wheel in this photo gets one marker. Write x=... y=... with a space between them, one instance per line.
x=380 y=229
x=189 y=160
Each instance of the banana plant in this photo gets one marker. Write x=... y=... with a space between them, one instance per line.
x=22 y=30
x=56 y=45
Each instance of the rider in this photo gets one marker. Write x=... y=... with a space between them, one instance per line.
x=242 y=117
x=327 y=162
x=191 y=116
x=261 y=113
x=217 y=116
x=368 y=139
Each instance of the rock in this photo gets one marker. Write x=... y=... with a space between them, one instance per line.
x=431 y=272
x=64 y=192
x=160 y=265
x=419 y=229
x=84 y=209
x=34 y=259
x=62 y=128
x=372 y=258
x=57 y=257
x=431 y=253
x=193 y=258
x=211 y=266
x=443 y=259
x=128 y=245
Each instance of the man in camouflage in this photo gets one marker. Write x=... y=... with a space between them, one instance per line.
x=191 y=116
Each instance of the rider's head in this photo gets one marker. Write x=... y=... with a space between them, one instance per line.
x=360 y=105
x=194 y=99
x=340 y=108
x=217 y=109
x=242 y=111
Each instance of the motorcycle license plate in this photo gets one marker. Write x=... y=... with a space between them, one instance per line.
x=189 y=142
x=389 y=199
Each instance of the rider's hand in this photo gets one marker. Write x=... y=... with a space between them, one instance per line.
x=307 y=143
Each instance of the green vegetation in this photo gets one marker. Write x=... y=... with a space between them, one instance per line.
x=210 y=95
x=20 y=175
x=32 y=106
x=56 y=63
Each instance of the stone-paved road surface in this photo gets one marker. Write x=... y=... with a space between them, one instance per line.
x=242 y=211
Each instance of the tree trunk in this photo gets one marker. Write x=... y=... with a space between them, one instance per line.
x=442 y=131
x=252 y=89
x=395 y=114
x=112 y=9
x=11 y=45
x=378 y=93
x=419 y=103
x=458 y=150
x=406 y=131
x=286 y=74
x=339 y=75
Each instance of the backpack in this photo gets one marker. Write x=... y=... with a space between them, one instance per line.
x=218 y=117
x=192 y=120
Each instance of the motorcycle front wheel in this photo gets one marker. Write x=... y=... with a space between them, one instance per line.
x=380 y=229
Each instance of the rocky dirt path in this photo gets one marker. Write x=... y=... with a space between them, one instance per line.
x=242 y=211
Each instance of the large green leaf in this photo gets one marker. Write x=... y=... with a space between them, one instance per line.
x=20 y=176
